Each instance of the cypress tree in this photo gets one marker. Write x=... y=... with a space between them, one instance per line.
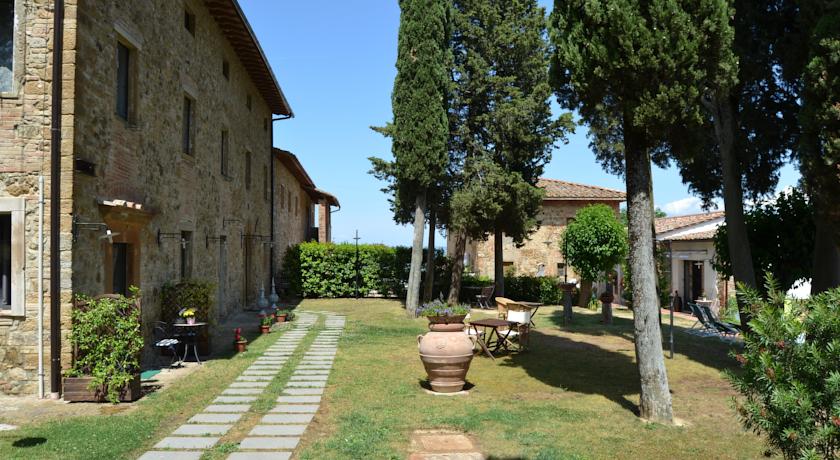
x=633 y=69
x=419 y=131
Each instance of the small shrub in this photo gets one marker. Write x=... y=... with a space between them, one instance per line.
x=790 y=378
x=542 y=289
x=193 y=294
x=106 y=341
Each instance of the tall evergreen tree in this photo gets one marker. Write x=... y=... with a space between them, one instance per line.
x=633 y=69
x=420 y=127
x=503 y=129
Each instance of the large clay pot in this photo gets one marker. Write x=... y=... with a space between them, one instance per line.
x=446 y=353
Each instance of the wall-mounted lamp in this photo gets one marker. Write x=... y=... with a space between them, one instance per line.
x=109 y=235
x=208 y=239
x=171 y=235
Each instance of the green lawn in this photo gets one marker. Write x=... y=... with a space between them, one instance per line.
x=572 y=396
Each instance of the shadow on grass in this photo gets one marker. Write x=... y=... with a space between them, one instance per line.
x=579 y=367
x=709 y=351
x=29 y=442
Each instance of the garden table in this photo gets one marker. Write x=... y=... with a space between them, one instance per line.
x=493 y=325
x=190 y=336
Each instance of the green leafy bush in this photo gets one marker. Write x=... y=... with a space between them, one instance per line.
x=790 y=377
x=194 y=294
x=534 y=289
x=106 y=341
x=328 y=270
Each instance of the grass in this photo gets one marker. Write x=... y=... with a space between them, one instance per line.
x=572 y=396
x=129 y=434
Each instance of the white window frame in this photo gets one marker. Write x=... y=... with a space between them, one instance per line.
x=17 y=208
x=18 y=45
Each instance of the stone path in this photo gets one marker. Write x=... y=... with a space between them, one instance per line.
x=277 y=433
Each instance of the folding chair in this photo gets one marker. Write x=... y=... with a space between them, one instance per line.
x=483 y=300
x=165 y=340
x=520 y=317
x=501 y=305
x=722 y=327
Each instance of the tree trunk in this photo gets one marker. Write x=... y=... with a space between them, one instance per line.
x=740 y=254
x=413 y=294
x=826 y=273
x=585 y=293
x=606 y=312
x=655 y=401
x=429 y=282
x=457 y=266
x=498 y=263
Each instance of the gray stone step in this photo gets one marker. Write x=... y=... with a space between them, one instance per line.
x=186 y=443
x=295 y=408
x=299 y=399
x=260 y=456
x=303 y=391
x=235 y=399
x=242 y=391
x=228 y=408
x=254 y=378
x=277 y=430
x=311 y=378
x=215 y=418
x=201 y=430
x=312 y=372
x=297 y=384
x=248 y=384
x=286 y=418
x=274 y=443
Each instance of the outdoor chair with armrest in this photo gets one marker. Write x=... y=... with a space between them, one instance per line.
x=520 y=318
x=164 y=339
x=707 y=327
x=502 y=306
x=485 y=298
x=723 y=327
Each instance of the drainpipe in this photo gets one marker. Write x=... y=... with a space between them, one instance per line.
x=55 y=202
x=271 y=211
x=41 y=286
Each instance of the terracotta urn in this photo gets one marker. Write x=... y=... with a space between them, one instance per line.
x=240 y=346
x=265 y=329
x=281 y=317
x=446 y=353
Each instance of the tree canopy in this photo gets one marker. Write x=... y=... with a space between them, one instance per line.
x=594 y=242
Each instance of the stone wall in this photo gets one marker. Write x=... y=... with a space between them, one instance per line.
x=142 y=160
x=542 y=248
x=25 y=122
x=292 y=223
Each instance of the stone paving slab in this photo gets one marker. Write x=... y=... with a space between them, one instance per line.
x=299 y=399
x=235 y=399
x=265 y=367
x=295 y=408
x=277 y=430
x=314 y=366
x=215 y=418
x=286 y=418
x=242 y=391
x=248 y=384
x=312 y=372
x=276 y=443
x=174 y=442
x=254 y=378
x=306 y=384
x=310 y=378
x=303 y=391
x=259 y=372
x=171 y=455
x=260 y=456
x=228 y=408
x=202 y=430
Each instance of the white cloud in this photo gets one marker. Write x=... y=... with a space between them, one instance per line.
x=687 y=205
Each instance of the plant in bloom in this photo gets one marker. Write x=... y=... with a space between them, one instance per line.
x=186 y=312
x=441 y=308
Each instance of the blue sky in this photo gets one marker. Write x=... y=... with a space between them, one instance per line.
x=335 y=63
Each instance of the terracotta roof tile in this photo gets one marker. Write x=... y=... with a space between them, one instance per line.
x=562 y=190
x=667 y=224
x=707 y=235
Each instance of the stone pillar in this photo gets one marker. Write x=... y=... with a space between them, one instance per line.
x=324 y=223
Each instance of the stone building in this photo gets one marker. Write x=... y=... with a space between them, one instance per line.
x=541 y=254
x=163 y=134
x=688 y=245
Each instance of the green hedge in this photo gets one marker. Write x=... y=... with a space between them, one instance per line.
x=326 y=270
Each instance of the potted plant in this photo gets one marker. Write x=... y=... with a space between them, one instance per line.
x=240 y=343
x=265 y=324
x=188 y=314
x=446 y=352
x=107 y=340
x=282 y=315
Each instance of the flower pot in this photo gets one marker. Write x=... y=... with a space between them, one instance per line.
x=240 y=346
x=281 y=318
x=191 y=320
x=76 y=389
x=265 y=329
x=446 y=353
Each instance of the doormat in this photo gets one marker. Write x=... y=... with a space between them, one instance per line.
x=147 y=375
